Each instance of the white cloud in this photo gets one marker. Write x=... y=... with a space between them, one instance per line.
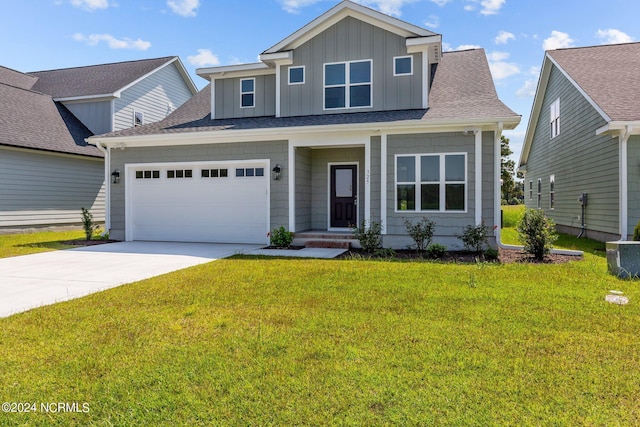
x=390 y=7
x=613 y=36
x=469 y=8
x=557 y=40
x=440 y=2
x=294 y=6
x=500 y=68
x=491 y=7
x=114 y=43
x=503 y=37
x=528 y=90
x=204 y=58
x=184 y=7
x=90 y=4
x=432 y=22
x=467 y=47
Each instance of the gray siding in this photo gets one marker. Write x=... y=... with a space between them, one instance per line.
x=320 y=159
x=94 y=115
x=46 y=189
x=227 y=94
x=303 y=189
x=276 y=151
x=375 y=177
x=348 y=40
x=633 y=170
x=156 y=96
x=448 y=224
x=580 y=160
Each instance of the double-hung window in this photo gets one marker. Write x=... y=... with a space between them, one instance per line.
x=247 y=93
x=555 y=118
x=347 y=84
x=539 y=193
x=431 y=182
x=552 y=192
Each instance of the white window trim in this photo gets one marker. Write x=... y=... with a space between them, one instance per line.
x=253 y=92
x=304 y=75
x=395 y=73
x=141 y=118
x=554 y=118
x=552 y=192
x=442 y=182
x=530 y=190
x=347 y=85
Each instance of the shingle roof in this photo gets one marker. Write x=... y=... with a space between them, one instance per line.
x=462 y=89
x=16 y=78
x=609 y=75
x=94 y=79
x=30 y=119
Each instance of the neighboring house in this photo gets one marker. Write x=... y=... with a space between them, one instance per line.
x=584 y=138
x=355 y=117
x=47 y=170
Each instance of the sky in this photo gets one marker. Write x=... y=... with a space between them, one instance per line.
x=50 y=34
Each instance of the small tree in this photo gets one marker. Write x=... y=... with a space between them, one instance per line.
x=89 y=226
x=475 y=238
x=421 y=232
x=537 y=233
x=370 y=237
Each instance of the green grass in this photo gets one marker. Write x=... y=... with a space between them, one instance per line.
x=252 y=341
x=511 y=215
x=25 y=244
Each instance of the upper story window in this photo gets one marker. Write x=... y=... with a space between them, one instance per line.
x=138 y=118
x=347 y=84
x=552 y=192
x=296 y=75
x=403 y=66
x=247 y=93
x=555 y=118
x=539 y=205
x=433 y=182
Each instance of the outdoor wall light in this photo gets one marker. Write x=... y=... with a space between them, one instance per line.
x=276 y=172
x=115 y=176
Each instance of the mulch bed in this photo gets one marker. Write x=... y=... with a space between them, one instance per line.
x=82 y=242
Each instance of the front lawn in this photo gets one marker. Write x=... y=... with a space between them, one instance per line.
x=251 y=341
x=25 y=244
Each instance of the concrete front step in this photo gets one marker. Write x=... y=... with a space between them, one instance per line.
x=326 y=243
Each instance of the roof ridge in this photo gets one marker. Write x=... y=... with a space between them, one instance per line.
x=101 y=65
x=594 y=46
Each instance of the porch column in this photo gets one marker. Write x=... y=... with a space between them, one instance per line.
x=291 y=165
x=478 y=178
x=623 y=185
x=383 y=182
x=367 y=182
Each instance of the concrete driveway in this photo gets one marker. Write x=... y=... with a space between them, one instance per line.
x=31 y=281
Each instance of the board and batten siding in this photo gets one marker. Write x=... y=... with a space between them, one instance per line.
x=96 y=116
x=38 y=189
x=155 y=96
x=580 y=160
x=350 y=40
x=227 y=94
x=448 y=224
x=275 y=151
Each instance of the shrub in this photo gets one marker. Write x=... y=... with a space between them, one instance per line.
x=636 y=233
x=421 y=233
x=491 y=254
x=370 y=237
x=281 y=238
x=89 y=226
x=436 y=250
x=537 y=233
x=475 y=237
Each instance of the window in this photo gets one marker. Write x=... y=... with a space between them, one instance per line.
x=296 y=75
x=147 y=174
x=403 y=66
x=214 y=173
x=138 y=118
x=433 y=182
x=247 y=93
x=530 y=190
x=347 y=85
x=552 y=192
x=555 y=118
x=180 y=173
x=240 y=172
x=539 y=193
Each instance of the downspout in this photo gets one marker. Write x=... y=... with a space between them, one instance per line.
x=624 y=194
x=107 y=187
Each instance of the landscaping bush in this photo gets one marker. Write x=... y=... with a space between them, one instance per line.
x=370 y=237
x=421 y=233
x=88 y=225
x=537 y=233
x=636 y=233
x=475 y=237
x=491 y=254
x=281 y=238
x=436 y=250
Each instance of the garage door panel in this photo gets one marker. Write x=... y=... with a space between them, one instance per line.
x=198 y=209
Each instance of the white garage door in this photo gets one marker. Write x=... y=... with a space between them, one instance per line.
x=207 y=202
